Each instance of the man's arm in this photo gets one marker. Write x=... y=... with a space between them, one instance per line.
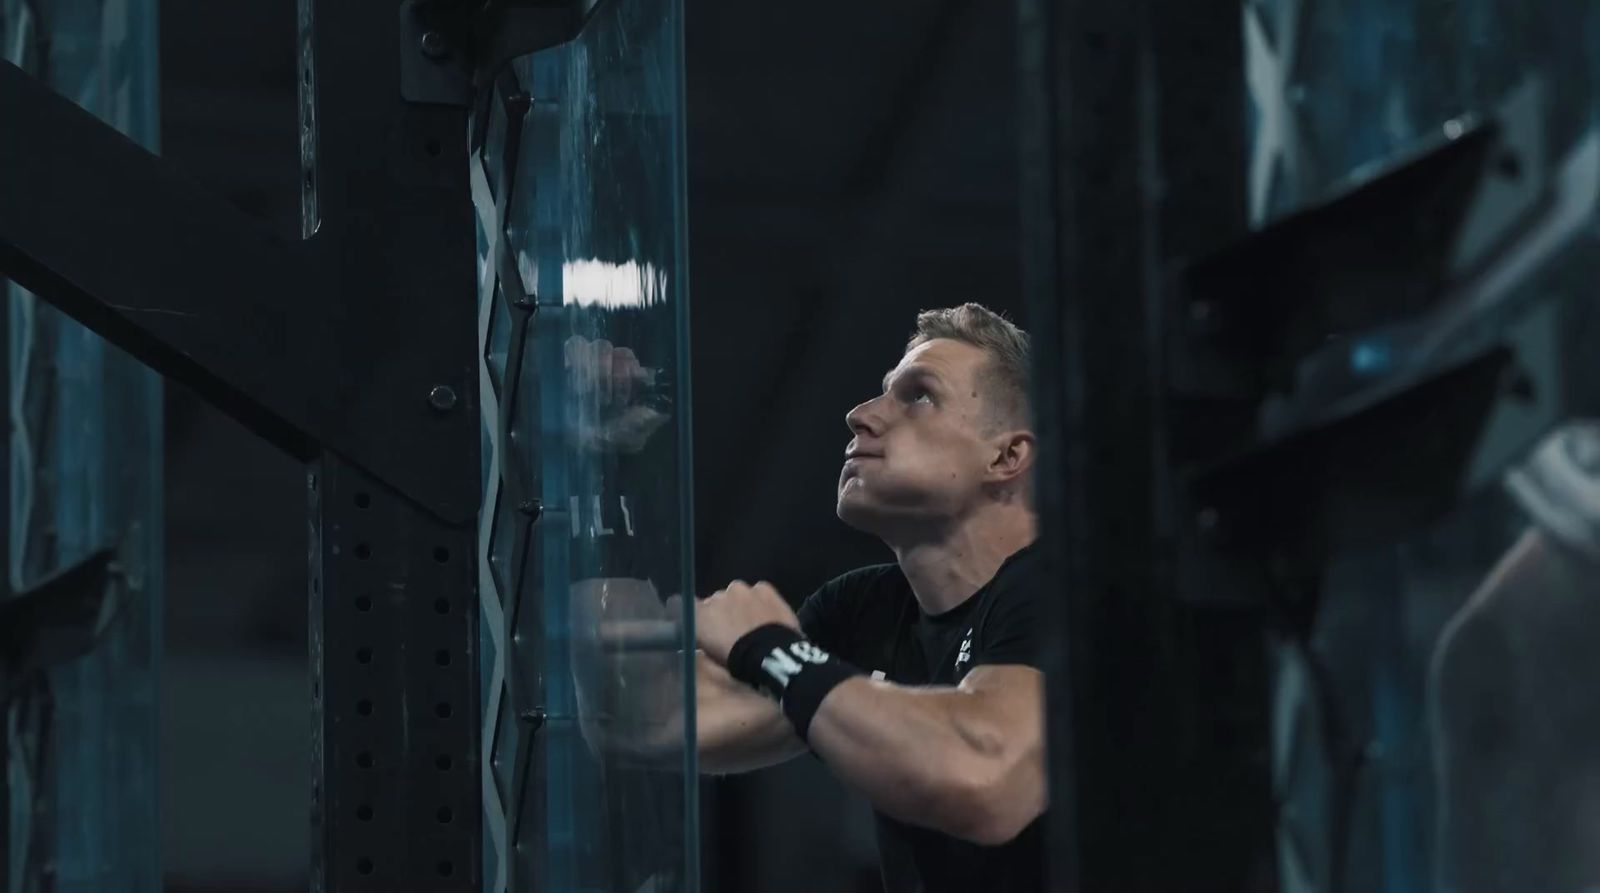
x=630 y=690
x=739 y=729
x=968 y=761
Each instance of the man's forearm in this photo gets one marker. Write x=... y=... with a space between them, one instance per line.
x=933 y=756
x=642 y=718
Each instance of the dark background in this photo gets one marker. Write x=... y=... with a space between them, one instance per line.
x=849 y=164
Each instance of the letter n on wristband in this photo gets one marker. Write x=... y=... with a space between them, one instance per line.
x=778 y=660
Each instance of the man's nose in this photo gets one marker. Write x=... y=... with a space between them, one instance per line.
x=865 y=419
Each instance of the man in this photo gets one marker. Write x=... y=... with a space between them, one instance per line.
x=1513 y=730
x=917 y=683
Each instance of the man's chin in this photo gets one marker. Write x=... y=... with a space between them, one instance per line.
x=859 y=513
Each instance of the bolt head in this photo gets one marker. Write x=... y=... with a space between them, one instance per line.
x=443 y=398
x=434 y=46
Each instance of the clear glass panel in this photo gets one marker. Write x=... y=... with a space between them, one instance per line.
x=85 y=475
x=1438 y=731
x=593 y=763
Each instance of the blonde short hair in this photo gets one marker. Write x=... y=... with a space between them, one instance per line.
x=1005 y=382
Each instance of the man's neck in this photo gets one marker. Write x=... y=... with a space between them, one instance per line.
x=945 y=571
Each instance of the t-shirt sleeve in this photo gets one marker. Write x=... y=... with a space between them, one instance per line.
x=823 y=616
x=1012 y=629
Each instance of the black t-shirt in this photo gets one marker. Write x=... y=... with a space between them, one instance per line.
x=870 y=618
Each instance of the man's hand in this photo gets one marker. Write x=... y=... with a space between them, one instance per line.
x=603 y=381
x=727 y=615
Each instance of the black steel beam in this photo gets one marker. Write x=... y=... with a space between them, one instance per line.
x=1133 y=155
x=282 y=336
x=354 y=348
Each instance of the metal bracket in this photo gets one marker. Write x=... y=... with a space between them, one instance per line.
x=451 y=50
x=282 y=336
x=1388 y=363
x=56 y=621
x=353 y=348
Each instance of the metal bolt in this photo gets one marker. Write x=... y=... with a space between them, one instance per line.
x=434 y=46
x=533 y=718
x=531 y=508
x=442 y=398
x=525 y=304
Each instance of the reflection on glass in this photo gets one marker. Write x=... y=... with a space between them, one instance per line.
x=84 y=457
x=593 y=781
x=1437 y=688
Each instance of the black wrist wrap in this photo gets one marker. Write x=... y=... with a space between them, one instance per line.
x=779 y=661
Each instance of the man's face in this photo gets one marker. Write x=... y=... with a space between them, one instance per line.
x=919 y=452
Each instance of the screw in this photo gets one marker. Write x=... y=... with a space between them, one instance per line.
x=518 y=102
x=442 y=398
x=531 y=507
x=525 y=304
x=434 y=46
x=533 y=718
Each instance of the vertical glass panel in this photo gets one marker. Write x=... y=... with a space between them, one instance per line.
x=84 y=457
x=1434 y=731
x=594 y=758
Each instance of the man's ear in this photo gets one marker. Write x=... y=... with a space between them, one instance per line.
x=1013 y=456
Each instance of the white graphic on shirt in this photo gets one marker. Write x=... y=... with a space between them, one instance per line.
x=879 y=675
x=964 y=656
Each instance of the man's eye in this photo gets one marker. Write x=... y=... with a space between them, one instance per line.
x=921 y=396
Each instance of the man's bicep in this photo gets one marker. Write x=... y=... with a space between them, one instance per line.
x=1014 y=692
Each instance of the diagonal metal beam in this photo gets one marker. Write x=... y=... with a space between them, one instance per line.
x=280 y=335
